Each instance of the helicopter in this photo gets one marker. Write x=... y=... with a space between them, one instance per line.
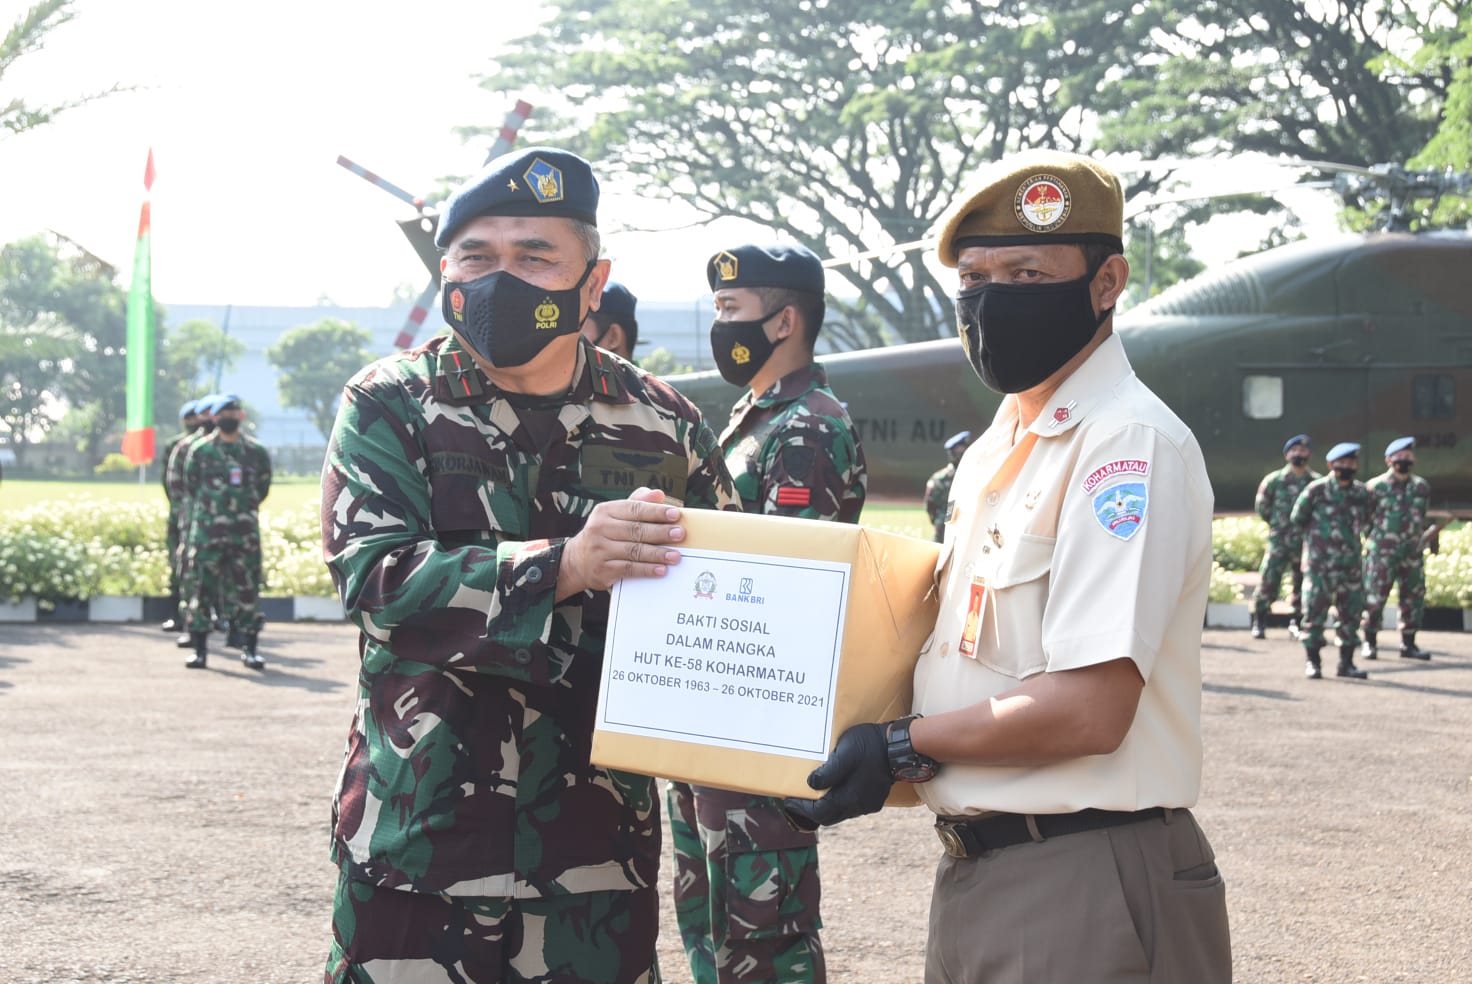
x=1362 y=337
x=1356 y=337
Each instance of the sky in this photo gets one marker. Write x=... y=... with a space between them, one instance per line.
x=247 y=107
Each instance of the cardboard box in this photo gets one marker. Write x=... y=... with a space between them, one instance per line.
x=889 y=611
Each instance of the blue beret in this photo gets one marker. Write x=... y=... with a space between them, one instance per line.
x=793 y=267
x=535 y=181
x=1344 y=449
x=187 y=410
x=618 y=302
x=1298 y=439
x=223 y=401
x=956 y=439
x=1399 y=444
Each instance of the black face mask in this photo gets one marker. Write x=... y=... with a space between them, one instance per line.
x=1298 y=460
x=1401 y=467
x=507 y=321
x=1017 y=335
x=741 y=348
x=228 y=425
x=1345 y=474
x=207 y=427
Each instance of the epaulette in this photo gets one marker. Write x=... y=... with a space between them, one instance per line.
x=603 y=374
x=459 y=376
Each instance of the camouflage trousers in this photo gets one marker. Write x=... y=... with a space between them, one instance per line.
x=388 y=936
x=171 y=543
x=1384 y=567
x=1342 y=587
x=1279 y=558
x=222 y=579
x=746 y=888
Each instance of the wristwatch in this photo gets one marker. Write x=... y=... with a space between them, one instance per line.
x=906 y=764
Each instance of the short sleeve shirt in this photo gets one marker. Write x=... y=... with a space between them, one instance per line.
x=1088 y=540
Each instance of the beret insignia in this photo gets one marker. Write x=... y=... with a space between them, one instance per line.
x=726 y=266
x=1042 y=203
x=544 y=181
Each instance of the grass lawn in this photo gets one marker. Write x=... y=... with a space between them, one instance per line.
x=297 y=492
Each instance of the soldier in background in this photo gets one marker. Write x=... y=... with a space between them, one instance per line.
x=481 y=495
x=1332 y=512
x=1276 y=494
x=613 y=326
x=747 y=888
x=190 y=419
x=227 y=476
x=938 y=485
x=179 y=498
x=1398 y=533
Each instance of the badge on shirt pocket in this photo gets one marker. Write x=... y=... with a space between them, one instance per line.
x=975 y=612
x=235 y=475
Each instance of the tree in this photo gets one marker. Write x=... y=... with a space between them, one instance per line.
x=26 y=36
x=315 y=362
x=849 y=125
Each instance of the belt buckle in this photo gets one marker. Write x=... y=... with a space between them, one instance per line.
x=950 y=839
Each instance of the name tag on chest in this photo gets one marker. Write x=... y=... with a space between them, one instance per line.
x=615 y=472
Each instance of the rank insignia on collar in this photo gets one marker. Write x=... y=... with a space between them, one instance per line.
x=544 y=181
x=726 y=266
x=1042 y=203
x=1062 y=415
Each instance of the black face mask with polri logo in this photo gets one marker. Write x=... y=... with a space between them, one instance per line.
x=508 y=321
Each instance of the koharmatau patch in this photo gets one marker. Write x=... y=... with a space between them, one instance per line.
x=1124 y=466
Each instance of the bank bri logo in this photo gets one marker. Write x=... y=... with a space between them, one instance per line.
x=746 y=594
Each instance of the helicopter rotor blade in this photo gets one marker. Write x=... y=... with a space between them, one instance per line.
x=417 y=315
x=383 y=183
x=506 y=138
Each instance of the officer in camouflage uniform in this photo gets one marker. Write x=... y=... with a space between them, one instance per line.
x=746 y=886
x=1276 y=494
x=1397 y=536
x=1333 y=511
x=227 y=475
x=481 y=495
x=189 y=417
x=179 y=497
x=938 y=485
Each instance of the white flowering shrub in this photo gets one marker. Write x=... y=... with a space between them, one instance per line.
x=83 y=547
x=1238 y=542
x=1449 y=572
x=1222 y=590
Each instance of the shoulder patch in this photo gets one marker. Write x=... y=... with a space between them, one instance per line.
x=1124 y=466
x=1120 y=508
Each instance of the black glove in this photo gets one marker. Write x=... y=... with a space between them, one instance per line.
x=856 y=776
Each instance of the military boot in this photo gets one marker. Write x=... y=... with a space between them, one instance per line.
x=1295 y=627
x=200 y=640
x=1313 y=670
x=1346 y=663
x=1409 y=649
x=234 y=638
x=1257 y=629
x=173 y=623
x=185 y=640
x=248 y=655
x=1369 y=650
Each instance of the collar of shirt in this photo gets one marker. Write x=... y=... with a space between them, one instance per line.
x=791 y=386
x=460 y=381
x=1100 y=373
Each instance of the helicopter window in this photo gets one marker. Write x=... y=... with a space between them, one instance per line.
x=1262 y=397
x=1433 y=397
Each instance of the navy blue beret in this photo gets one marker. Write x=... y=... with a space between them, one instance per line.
x=1298 y=439
x=793 y=267
x=534 y=181
x=1344 y=449
x=1399 y=444
x=955 y=439
x=618 y=302
x=187 y=410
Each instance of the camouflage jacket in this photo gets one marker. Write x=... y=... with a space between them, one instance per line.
x=226 y=482
x=163 y=461
x=445 y=508
x=1397 y=513
x=938 y=492
x=1332 y=520
x=1276 y=494
x=792 y=450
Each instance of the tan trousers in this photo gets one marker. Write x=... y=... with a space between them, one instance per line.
x=1136 y=904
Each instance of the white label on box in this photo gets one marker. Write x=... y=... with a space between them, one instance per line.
x=729 y=649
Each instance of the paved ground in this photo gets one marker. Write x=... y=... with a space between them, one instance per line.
x=158 y=825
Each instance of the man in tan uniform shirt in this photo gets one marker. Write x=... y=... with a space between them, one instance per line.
x=1057 y=734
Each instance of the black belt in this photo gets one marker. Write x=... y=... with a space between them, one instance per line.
x=972 y=838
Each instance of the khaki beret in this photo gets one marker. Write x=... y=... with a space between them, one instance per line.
x=1037 y=196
